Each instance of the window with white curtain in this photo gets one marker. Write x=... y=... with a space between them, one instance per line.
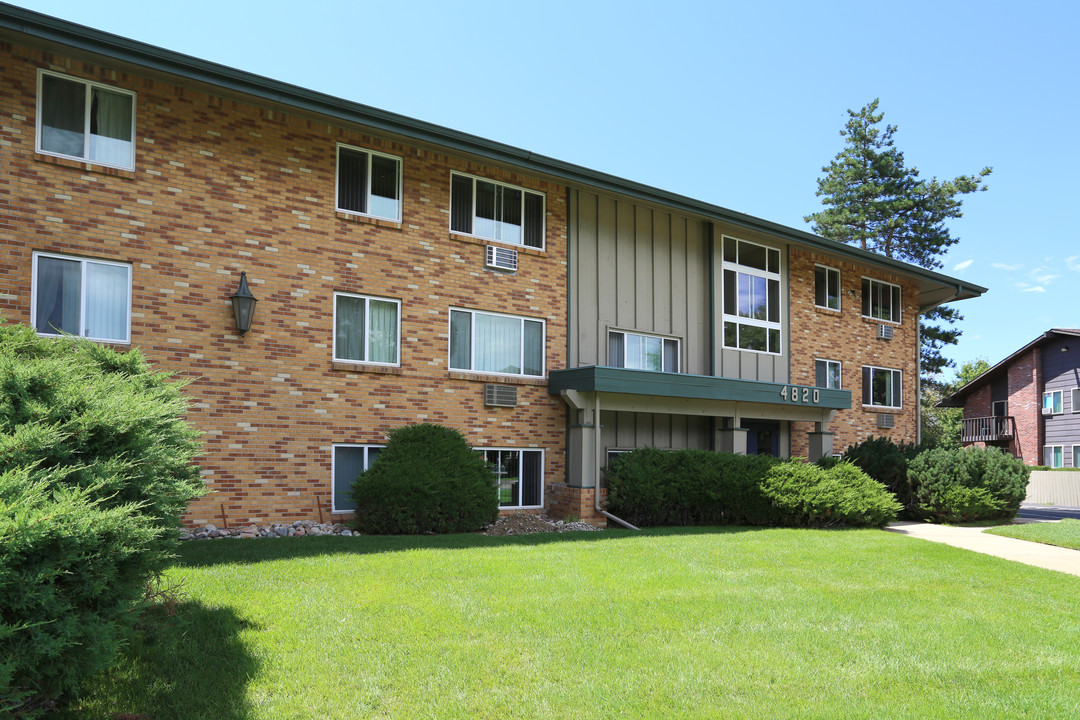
x=366 y=329
x=85 y=120
x=496 y=211
x=368 y=183
x=519 y=476
x=491 y=343
x=84 y=297
x=347 y=462
x=642 y=352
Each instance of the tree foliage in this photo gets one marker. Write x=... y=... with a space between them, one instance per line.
x=941 y=426
x=873 y=199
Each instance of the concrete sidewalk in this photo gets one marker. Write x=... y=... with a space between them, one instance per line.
x=973 y=538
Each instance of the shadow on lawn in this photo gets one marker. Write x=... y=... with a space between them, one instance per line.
x=192 y=665
x=201 y=553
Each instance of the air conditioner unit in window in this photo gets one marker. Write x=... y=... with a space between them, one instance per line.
x=1048 y=411
x=500 y=395
x=885 y=420
x=884 y=332
x=502 y=258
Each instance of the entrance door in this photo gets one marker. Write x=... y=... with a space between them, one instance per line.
x=762 y=438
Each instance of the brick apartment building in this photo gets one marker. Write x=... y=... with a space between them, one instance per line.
x=408 y=273
x=1029 y=403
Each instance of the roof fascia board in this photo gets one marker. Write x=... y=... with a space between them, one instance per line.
x=137 y=53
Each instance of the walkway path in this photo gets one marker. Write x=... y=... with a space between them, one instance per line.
x=973 y=538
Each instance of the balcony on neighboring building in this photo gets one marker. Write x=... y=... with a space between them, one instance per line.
x=988 y=429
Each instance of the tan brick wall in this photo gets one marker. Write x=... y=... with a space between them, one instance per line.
x=222 y=185
x=846 y=336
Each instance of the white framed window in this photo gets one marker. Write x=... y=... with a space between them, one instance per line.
x=1053 y=456
x=881 y=387
x=496 y=211
x=366 y=329
x=827 y=374
x=368 y=183
x=751 y=289
x=1075 y=400
x=347 y=461
x=85 y=120
x=79 y=296
x=519 y=476
x=642 y=352
x=999 y=408
x=1076 y=456
x=1052 y=402
x=495 y=343
x=881 y=300
x=826 y=287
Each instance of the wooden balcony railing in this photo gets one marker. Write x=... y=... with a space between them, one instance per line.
x=988 y=429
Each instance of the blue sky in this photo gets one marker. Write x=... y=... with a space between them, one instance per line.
x=737 y=104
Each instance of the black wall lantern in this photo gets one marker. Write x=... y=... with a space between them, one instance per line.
x=243 y=305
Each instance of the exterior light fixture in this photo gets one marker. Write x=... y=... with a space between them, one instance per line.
x=243 y=305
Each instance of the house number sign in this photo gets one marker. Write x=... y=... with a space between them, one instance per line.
x=801 y=396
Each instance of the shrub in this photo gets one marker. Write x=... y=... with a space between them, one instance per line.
x=807 y=495
x=886 y=462
x=96 y=440
x=687 y=487
x=967 y=484
x=427 y=479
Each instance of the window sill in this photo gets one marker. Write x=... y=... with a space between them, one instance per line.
x=363 y=368
x=879 y=321
x=504 y=379
x=882 y=409
x=477 y=240
x=829 y=311
x=368 y=220
x=85 y=166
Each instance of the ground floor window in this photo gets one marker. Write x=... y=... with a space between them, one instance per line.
x=1076 y=456
x=520 y=476
x=1053 y=456
x=346 y=465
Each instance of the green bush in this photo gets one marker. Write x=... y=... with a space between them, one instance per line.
x=427 y=479
x=886 y=462
x=96 y=437
x=649 y=487
x=967 y=484
x=807 y=495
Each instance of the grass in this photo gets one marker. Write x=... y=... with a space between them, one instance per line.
x=1063 y=534
x=702 y=623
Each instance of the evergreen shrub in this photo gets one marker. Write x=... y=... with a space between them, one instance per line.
x=967 y=484
x=807 y=495
x=426 y=480
x=96 y=467
x=887 y=462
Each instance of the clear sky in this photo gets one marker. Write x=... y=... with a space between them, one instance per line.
x=736 y=104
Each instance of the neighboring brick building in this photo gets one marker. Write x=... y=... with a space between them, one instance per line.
x=408 y=273
x=1029 y=403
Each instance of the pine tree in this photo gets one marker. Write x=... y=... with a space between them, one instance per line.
x=873 y=199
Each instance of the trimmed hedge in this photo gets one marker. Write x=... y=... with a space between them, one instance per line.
x=95 y=462
x=967 y=484
x=426 y=480
x=650 y=487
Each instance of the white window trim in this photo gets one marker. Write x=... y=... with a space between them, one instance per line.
x=367 y=319
x=827 y=360
x=839 y=288
x=333 y=468
x=543 y=468
x=90 y=84
x=738 y=319
x=1052 y=448
x=1076 y=456
x=1062 y=403
x=83 y=261
x=899 y=390
x=472 y=344
x=1075 y=398
x=369 y=153
x=676 y=340
x=543 y=212
x=900 y=309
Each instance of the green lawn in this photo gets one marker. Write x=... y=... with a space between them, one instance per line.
x=664 y=624
x=1065 y=533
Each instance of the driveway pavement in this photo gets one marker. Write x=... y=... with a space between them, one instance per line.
x=973 y=538
x=1047 y=512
